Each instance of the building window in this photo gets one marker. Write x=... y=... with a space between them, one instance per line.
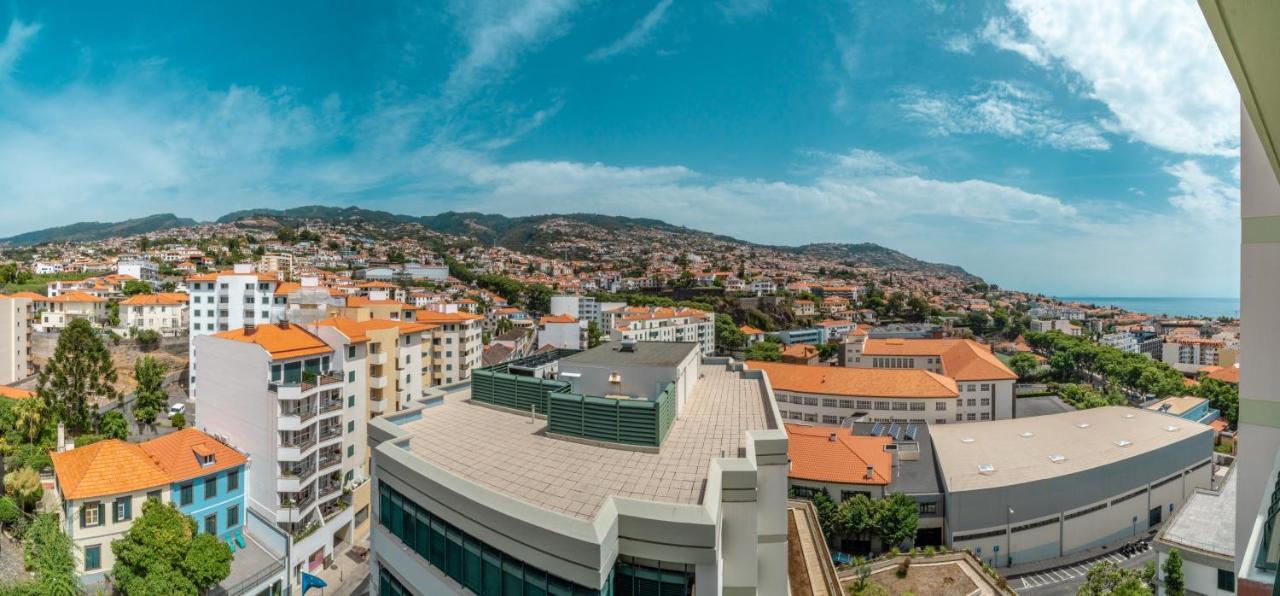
x=351 y=450
x=233 y=516
x=900 y=405
x=864 y=404
x=93 y=557
x=185 y=494
x=1226 y=580
x=828 y=419
x=986 y=416
x=351 y=401
x=351 y=351
x=233 y=480
x=351 y=426
x=917 y=406
x=986 y=387
x=91 y=515
x=928 y=508
x=810 y=417
x=986 y=401
x=971 y=416
x=155 y=494
x=939 y=420
x=971 y=402
x=122 y=510
x=211 y=523
x=959 y=417
x=351 y=376
x=210 y=487
x=830 y=403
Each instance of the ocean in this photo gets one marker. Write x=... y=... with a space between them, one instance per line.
x=1189 y=307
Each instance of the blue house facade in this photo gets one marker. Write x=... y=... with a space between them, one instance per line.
x=215 y=501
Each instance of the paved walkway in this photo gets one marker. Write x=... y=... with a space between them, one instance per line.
x=1074 y=558
x=347 y=576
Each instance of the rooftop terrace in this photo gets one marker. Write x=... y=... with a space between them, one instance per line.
x=506 y=452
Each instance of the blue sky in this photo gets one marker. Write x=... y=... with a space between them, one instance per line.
x=1086 y=148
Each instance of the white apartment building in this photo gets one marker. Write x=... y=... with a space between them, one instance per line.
x=1121 y=340
x=984 y=383
x=280 y=264
x=584 y=308
x=57 y=311
x=1189 y=354
x=140 y=269
x=833 y=395
x=164 y=313
x=289 y=399
x=41 y=268
x=227 y=301
x=645 y=323
x=456 y=344
x=560 y=331
x=1063 y=325
x=16 y=314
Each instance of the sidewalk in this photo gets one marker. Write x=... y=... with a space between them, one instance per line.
x=347 y=576
x=1073 y=558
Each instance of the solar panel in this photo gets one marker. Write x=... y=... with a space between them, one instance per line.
x=911 y=432
x=895 y=431
x=877 y=429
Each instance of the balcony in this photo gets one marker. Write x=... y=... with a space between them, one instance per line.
x=292 y=481
x=378 y=358
x=378 y=382
x=310 y=381
x=333 y=507
x=329 y=461
x=296 y=502
x=331 y=405
x=329 y=488
x=332 y=432
x=296 y=418
x=378 y=406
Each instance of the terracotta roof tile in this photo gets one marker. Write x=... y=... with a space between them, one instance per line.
x=816 y=457
x=962 y=359
x=176 y=454
x=282 y=341
x=857 y=382
x=106 y=468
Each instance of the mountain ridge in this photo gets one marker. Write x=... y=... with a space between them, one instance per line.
x=524 y=233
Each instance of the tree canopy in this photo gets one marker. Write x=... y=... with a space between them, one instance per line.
x=79 y=369
x=149 y=397
x=162 y=554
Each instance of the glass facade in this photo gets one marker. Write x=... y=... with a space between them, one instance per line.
x=485 y=570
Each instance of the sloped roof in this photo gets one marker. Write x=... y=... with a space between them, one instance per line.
x=857 y=382
x=106 y=468
x=815 y=456
x=962 y=359
x=8 y=392
x=175 y=454
x=282 y=341
x=160 y=299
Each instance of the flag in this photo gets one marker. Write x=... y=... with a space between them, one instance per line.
x=310 y=581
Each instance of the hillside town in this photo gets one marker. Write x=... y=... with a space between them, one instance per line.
x=872 y=380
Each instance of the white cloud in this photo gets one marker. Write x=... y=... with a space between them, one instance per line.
x=1203 y=195
x=637 y=36
x=15 y=43
x=1003 y=109
x=1152 y=62
x=738 y=9
x=496 y=35
x=959 y=43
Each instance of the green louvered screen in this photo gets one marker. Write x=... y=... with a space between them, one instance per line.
x=666 y=411
x=513 y=391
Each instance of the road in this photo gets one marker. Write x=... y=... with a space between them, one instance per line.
x=1066 y=581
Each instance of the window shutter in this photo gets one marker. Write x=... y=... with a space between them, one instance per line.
x=102 y=512
x=128 y=508
x=115 y=511
x=82 y=516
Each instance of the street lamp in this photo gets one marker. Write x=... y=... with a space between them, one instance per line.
x=1008 y=535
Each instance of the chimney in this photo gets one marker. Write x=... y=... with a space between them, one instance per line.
x=871 y=472
x=832 y=437
x=62 y=437
x=250 y=327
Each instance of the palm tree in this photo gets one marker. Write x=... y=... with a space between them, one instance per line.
x=29 y=418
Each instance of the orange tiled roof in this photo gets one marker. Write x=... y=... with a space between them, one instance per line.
x=857 y=382
x=376 y=284
x=800 y=351
x=814 y=456
x=1226 y=374
x=74 y=296
x=749 y=330
x=215 y=276
x=31 y=295
x=962 y=359
x=354 y=301
x=161 y=299
x=8 y=392
x=557 y=319
x=106 y=468
x=431 y=316
x=282 y=341
x=175 y=454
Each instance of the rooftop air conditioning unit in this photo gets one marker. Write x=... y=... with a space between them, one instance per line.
x=628 y=345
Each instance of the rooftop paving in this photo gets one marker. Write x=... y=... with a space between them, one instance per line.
x=505 y=452
x=1206 y=521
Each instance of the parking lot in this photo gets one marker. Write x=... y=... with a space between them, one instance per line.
x=1067 y=579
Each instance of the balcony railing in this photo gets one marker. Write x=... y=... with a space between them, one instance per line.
x=301 y=502
x=331 y=432
x=300 y=442
x=308 y=383
x=327 y=461
x=331 y=405
x=326 y=490
x=297 y=472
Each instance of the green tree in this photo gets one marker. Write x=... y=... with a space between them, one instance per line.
x=113 y=314
x=30 y=418
x=24 y=486
x=1109 y=579
x=114 y=426
x=977 y=322
x=917 y=308
x=897 y=519
x=1174 y=583
x=178 y=420
x=767 y=350
x=1024 y=365
x=150 y=397
x=134 y=287
x=48 y=554
x=828 y=513
x=594 y=336
x=10 y=512
x=79 y=369
x=1223 y=396
x=148 y=339
x=857 y=516
x=728 y=335
x=162 y=551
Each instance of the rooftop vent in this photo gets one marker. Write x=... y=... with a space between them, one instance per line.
x=832 y=437
x=628 y=345
x=1123 y=443
x=871 y=472
x=1057 y=458
x=1173 y=428
x=967 y=440
x=986 y=469
x=1083 y=425
x=1026 y=434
